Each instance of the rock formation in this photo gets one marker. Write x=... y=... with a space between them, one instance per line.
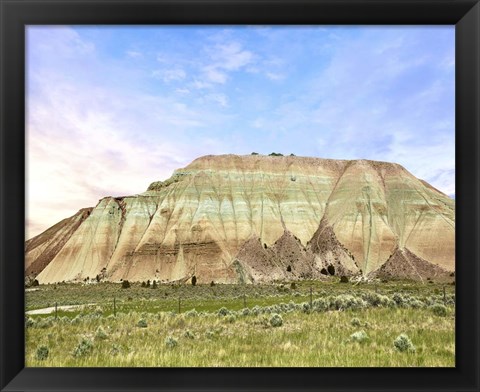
x=257 y=218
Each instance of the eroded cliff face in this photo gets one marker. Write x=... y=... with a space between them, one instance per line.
x=256 y=218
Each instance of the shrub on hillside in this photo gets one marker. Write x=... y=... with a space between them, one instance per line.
x=347 y=301
x=100 y=333
x=343 y=279
x=439 y=310
x=45 y=323
x=403 y=343
x=359 y=336
x=125 y=284
x=142 y=323
x=191 y=313
x=29 y=322
x=355 y=322
x=320 y=305
x=375 y=299
x=276 y=320
x=223 y=311
x=42 y=353
x=83 y=348
x=171 y=342
x=256 y=310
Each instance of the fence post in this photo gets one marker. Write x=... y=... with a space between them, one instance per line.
x=179 y=305
x=55 y=310
x=444 y=296
x=311 y=299
x=114 y=308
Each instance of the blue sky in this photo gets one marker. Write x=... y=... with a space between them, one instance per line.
x=112 y=109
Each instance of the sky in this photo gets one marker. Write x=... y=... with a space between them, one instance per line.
x=112 y=109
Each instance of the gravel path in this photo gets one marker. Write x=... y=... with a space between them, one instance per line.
x=51 y=309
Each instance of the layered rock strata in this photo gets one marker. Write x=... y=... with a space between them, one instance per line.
x=254 y=219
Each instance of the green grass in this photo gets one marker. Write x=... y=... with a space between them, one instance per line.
x=318 y=338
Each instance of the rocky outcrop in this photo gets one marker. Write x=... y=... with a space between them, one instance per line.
x=403 y=264
x=40 y=250
x=255 y=219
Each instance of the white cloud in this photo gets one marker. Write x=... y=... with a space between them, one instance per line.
x=225 y=58
x=183 y=91
x=274 y=76
x=57 y=40
x=170 y=75
x=134 y=54
x=214 y=74
x=221 y=99
x=200 y=84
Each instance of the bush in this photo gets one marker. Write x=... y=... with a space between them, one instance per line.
x=375 y=299
x=305 y=307
x=210 y=334
x=212 y=283
x=142 y=323
x=45 y=323
x=83 y=348
x=331 y=269
x=100 y=333
x=125 y=284
x=416 y=304
x=320 y=305
x=223 y=311
x=29 y=322
x=439 y=310
x=343 y=279
x=191 y=313
x=346 y=301
x=171 y=342
x=403 y=343
x=398 y=298
x=245 y=312
x=194 y=280
x=256 y=310
x=42 y=353
x=188 y=334
x=355 y=322
x=276 y=320
x=293 y=286
x=359 y=336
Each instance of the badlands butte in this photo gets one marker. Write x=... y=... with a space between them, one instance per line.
x=258 y=219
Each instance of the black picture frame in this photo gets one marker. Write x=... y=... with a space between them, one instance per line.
x=16 y=14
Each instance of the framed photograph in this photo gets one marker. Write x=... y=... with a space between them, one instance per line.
x=240 y=195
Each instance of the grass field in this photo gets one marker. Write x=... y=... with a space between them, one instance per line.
x=315 y=324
